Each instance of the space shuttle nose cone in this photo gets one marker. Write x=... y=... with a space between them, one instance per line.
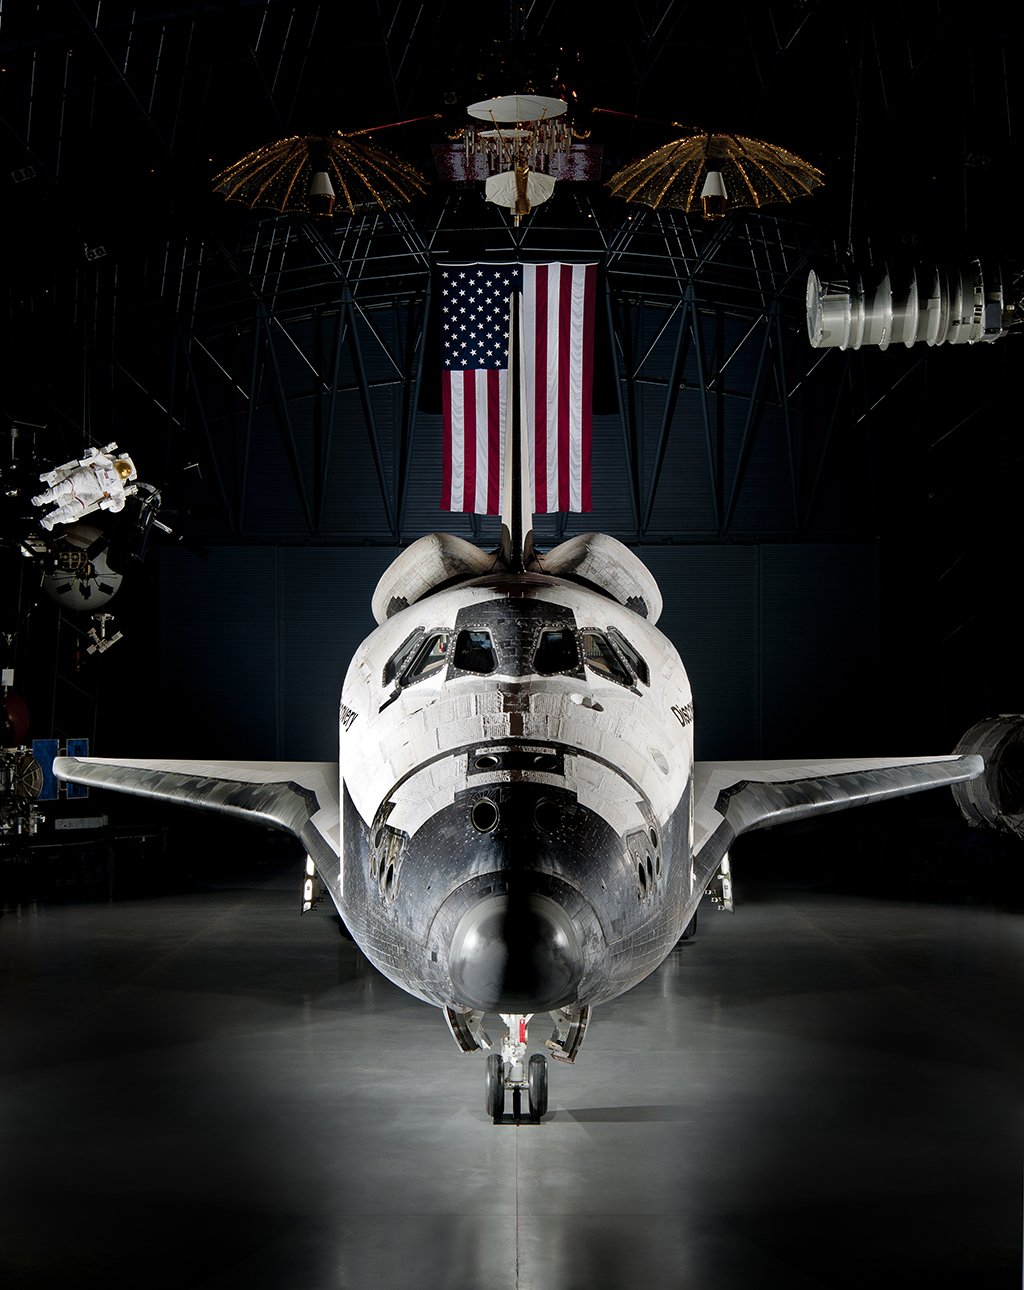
x=516 y=954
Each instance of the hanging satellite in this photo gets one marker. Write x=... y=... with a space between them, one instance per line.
x=321 y=175
x=519 y=189
x=526 y=132
x=714 y=173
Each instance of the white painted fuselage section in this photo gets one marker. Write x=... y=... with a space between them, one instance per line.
x=616 y=753
x=637 y=729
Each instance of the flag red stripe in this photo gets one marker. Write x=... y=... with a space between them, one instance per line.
x=469 y=441
x=589 y=304
x=564 y=349
x=446 y=460
x=493 y=442
x=540 y=390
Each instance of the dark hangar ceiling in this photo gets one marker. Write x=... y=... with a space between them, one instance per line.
x=117 y=116
x=273 y=373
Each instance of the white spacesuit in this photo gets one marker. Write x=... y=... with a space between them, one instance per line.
x=99 y=481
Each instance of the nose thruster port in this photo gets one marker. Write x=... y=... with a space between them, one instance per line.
x=484 y=815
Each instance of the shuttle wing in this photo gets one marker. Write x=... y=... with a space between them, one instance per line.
x=300 y=796
x=733 y=797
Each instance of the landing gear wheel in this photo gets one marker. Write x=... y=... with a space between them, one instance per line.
x=537 y=1085
x=494 y=1085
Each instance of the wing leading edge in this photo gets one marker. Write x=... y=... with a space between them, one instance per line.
x=300 y=796
x=731 y=798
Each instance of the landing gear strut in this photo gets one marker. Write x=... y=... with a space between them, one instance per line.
x=510 y=1071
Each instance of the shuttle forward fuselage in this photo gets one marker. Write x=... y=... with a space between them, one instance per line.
x=516 y=762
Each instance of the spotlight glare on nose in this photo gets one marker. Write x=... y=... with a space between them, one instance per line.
x=516 y=954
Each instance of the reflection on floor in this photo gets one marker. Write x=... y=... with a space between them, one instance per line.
x=199 y=1088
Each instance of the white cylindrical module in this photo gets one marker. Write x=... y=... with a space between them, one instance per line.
x=881 y=305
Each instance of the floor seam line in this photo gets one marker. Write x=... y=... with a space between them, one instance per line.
x=517 y=1207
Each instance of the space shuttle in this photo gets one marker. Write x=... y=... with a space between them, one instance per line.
x=515 y=827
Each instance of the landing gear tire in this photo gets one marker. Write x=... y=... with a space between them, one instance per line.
x=494 y=1086
x=537 y=1085
x=690 y=930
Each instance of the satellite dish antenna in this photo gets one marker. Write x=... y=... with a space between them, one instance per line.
x=522 y=142
x=516 y=108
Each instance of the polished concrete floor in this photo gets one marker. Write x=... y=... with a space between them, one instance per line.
x=200 y=1088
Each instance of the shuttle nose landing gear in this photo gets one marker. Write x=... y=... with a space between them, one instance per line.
x=510 y=1070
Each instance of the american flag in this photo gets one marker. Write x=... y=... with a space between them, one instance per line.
x=558 y=324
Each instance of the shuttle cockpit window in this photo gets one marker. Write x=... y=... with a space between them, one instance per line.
x=627 y=651
x=557 y=651
x=600 y=655
x=474 y=651
x=429 y=658
x=398 y=663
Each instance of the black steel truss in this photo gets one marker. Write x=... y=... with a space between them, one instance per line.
x=136 y=302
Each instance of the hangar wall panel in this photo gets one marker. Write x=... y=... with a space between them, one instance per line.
x=324 y=615
x=711 y=615
x=214 y=690
x=820 y=649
